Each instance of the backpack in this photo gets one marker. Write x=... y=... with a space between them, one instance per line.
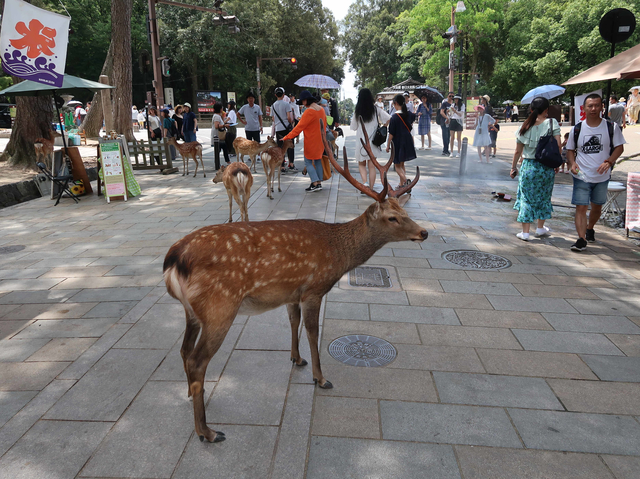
x=578 y=127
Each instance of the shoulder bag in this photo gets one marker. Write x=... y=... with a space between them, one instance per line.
x=380 y=136
x=287 y=128
x=547 y=151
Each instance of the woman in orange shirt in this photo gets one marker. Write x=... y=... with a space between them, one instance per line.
x=313 y=144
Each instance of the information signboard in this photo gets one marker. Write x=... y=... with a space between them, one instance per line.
x=113 y=171
x=206 y=100
x=472 y=114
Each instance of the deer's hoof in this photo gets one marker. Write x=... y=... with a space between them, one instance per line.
x=326 y=385
x=279 y=190
x=219 y=436
x=303 y=362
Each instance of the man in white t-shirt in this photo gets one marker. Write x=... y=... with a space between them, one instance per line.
x=252 y=118
x=282 y=115
x=591 y=160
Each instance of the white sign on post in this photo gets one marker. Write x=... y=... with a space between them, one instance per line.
x=112 y=170
x=168 y=97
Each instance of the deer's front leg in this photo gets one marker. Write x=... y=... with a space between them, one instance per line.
x=311 y=313
x=294 y=319
x=230 y=206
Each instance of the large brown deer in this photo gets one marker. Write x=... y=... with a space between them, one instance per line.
x=192 y=149
x=272 y=159
x=220 y=271
x=44 y=148
x=237 y=179
x=251 y=148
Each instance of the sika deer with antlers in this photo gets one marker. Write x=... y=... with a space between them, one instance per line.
x=220 y=271
x=272 y=159
x=192 y=149
x=251 y=148
x=237 y=179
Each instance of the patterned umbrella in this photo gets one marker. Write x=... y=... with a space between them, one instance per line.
x=432 y=93
x=318 y=81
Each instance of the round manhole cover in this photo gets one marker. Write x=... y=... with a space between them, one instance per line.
x=362 y=350
x=476 y=259
x=11 y=249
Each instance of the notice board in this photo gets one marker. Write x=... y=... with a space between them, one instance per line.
x=113 y=171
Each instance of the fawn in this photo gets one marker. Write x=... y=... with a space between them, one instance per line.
x=272 y=159
x=192 y=149
x=237 y=179
x=251 y=148
x=220 y=271
x=44 y=148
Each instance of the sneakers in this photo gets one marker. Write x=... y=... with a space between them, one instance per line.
x=523 y=236
x=313 y=187
x=544 y=231
x=451 y=155
x=318 y=187
x=579 y=245
x=590 y=236
x=292 y=168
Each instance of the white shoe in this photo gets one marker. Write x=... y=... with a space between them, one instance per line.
x=457 y=155
x=523 y=236
x=451 y=155
x=366 y=184
x=544 y=231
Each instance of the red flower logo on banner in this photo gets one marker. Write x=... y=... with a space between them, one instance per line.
x=37 y=38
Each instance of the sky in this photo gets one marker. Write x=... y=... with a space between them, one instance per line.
x=340 y=9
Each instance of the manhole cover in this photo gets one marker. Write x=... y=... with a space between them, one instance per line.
x=362 y=350
x=11 y=249
x=476 y=259
x=370 y=277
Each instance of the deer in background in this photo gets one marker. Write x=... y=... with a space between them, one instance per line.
x=218 y=272
x=44 y=148
x=193 y=149
x=237 y=179
x=272 y=159
x=251 y=148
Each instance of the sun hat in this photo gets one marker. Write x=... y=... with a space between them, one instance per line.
x=486 y=97
x=458 y=96
x=304 y=95
x=326 y=96
x=406 y=93
x=478 y=107
x=188 y=105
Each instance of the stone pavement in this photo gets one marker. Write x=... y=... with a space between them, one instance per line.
x=528 y=371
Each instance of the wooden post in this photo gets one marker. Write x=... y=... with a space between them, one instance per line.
x=106 y=105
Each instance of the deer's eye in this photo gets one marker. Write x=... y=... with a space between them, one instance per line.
x=393 y=219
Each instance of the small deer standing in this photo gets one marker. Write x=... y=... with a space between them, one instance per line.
x=44 y=148
x=193 y=149
x=251 y=148
x=272 y=159
x=220 y=271
x=238 y=180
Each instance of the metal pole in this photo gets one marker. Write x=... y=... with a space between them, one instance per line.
x=460 y=70
x=463 y=156
x=606 y=100
x=258 y=61
x=155 y=53
x=452 y=47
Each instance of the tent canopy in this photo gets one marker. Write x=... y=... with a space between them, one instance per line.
x=70 y=84
x=622 y=66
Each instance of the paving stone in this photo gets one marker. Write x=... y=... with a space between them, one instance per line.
x=354 y=311
x=566 y=342
x=352 y=417
x=437 y=358
x=54 y=448
x=25 y=273
x=15 y=350
x=378 y=383
x=32 y=297
x=77 y=272
x=502 y=277
x=104 y=392
x=488 y=390
x=479 y=287
x=431 y=274
x=67 y=328
x=535 y=269
x=611 y=368
x=565 y=280
x=149 y=438
x=256 y=372
x=629 y=344
x=448 y=424
x=10 y=328
x=7 y=308
x=95 y=283
x=577 y=432
x=501 y=463
x=419 y=284
x=110 y=309
x=123 y=260
x=502 y=319
x=379 y=297
x=540 y=305
x=111 y=294
x=449 y=300
x=598 y=396
x=550 y=291
x=159 y=328
x=596 y=306
x=12 y=401
x=467 y=336
x=50 y=311
x=29 y=376
x=230 y=460
x=332 y=457
x=413 y=314
x=389 y=331
x=142 y=306
x=28 y=284
x=533 y=363
x=585 y=323
x=62 y=349
x=623 y=467
x=268 y=331
x=616 y=294
x=291 y=454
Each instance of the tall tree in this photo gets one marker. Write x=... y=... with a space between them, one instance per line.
x=121 y=40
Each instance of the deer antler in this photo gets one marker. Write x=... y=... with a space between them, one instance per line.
x=347 y=175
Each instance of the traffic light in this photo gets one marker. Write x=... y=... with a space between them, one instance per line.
x=291 y=61
x=166 y=66
x=450 y=33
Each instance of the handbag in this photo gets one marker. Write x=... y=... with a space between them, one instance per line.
x=326 y=168
x=222 y=134
x=380 y=136
x=547 y=151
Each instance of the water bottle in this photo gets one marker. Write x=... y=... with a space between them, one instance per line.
x=581 y=176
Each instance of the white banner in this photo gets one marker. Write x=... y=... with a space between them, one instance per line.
x=33 y=43
x=578 y=104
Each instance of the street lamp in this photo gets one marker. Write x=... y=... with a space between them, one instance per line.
x=459 y=7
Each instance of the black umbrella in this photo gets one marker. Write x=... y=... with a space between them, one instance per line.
x=432 y=94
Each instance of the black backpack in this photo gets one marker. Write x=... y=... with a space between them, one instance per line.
x=578 y=127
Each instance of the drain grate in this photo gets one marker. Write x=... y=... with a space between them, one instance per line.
x=476 y=259
x=370 y=277
x=362 y=350
x=11 y=249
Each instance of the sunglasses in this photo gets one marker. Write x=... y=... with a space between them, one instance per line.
x=450 y=96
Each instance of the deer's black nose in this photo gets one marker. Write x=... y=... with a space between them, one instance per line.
x=424 y=234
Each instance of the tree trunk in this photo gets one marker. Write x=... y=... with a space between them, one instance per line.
x=474 y=66
x=121 y=77
x=194 y=80
x=93 y=121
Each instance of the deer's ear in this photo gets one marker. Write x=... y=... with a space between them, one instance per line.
x=376 y=210
x=403 y=200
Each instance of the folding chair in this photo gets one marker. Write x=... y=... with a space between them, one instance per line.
x=61 y=181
